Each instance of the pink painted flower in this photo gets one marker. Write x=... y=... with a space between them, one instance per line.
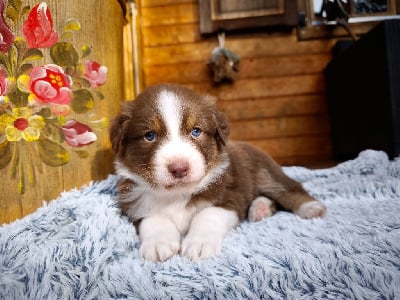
x=3 y=82
x=78 y=134
x=38 y=28
x=49 y=84
x=6 y=35
x=96 y=74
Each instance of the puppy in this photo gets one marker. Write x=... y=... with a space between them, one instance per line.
x=183 y=184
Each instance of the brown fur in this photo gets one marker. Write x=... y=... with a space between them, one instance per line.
x=251 y=172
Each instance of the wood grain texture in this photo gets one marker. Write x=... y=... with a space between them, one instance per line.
x=279 y=127
x=264 y=108
x=278 y=101
x=106 y=48
x=246 y=47
x=259 y=67
x=180 y=13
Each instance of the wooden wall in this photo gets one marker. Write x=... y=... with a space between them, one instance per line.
x=278 y=102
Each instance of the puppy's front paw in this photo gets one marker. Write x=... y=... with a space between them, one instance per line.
x=311 y=209
x=158 y=249
x=197 y=247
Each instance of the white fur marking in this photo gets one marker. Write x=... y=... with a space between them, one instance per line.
x=260 y=208
x=311 y=209
x=160 y=238
x=176 y=148
x=123 y=171
x=207 y=232
x=171 y=112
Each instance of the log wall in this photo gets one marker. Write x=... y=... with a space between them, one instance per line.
x=277 y=103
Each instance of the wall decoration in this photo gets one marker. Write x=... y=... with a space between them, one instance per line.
x=46 y=107
x=224 y=64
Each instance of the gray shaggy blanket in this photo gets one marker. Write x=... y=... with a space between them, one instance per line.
x=80 y=247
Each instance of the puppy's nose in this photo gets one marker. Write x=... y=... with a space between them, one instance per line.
x=179 y=169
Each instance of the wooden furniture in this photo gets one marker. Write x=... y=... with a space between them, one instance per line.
x=95 y=25
x=364 y=94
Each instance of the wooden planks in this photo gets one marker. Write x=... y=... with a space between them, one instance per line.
x=278 y=101
x=258 y=67
x=263 y=108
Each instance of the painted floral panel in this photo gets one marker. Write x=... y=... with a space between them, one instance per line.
x=37 y=98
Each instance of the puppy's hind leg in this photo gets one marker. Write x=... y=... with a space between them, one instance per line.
x=289 y=194
x=260 y=208
x=311 y=209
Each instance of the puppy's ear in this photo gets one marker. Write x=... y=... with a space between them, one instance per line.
x=223 y=130
x=221 y=122
x=118 y=130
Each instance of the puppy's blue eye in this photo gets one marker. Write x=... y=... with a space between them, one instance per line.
x=196 y=132
x=150 y=136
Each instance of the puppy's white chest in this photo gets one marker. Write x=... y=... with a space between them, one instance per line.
x=176 y=208
x=180 y=215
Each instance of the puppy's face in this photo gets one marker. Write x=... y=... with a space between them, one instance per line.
x=169 y=136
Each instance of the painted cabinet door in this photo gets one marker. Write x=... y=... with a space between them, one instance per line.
x=61 y=75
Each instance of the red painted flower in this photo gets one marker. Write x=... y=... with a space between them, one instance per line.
x=3 y=82
x=49 y=84
x=78 y=134
x=95 y=73
x=38 y=28
x=6 y=35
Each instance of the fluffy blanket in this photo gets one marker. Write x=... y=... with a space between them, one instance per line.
x=79 y=247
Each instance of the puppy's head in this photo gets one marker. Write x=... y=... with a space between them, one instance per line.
x=169 y=136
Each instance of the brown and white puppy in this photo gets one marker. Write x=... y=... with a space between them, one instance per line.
x=183 y=184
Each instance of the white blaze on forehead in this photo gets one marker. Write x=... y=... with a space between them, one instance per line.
x=171 y=112
x=175 y=147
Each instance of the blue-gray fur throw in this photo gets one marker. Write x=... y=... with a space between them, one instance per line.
x=79 y=247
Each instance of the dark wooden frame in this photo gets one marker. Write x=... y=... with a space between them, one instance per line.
x=308 y=30
x=212 y=20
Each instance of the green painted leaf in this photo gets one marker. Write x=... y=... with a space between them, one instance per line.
x=98 y=95
x=52 y=153
x=64 y=54
x=25 y=69
x=20 y=45
x=25 y=10
x=68 y=35
x=12 y=56
x=100 y=124
x=72 y=24
x=45 y=113
x=5 y=154
x=82 y=101
x=12 y=14
x=53 y=133
x=85 y=50
x=82 y=153
x=30 y=171
x=4 y=61
x=32 y=54
x=81 y=83
x=14 y=160
x=18 y=98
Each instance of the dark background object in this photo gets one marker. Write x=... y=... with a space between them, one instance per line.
x=232 y=15
x=363 y=87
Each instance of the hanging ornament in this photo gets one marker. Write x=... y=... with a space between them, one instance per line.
x=223 y=63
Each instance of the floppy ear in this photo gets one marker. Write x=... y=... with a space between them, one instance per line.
x=223 y=130
x=118 y=131
x=221 y=122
